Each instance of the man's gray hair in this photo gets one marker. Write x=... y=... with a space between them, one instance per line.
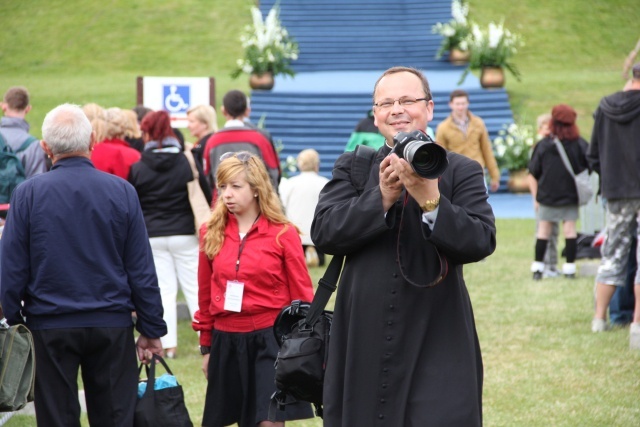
x=66 y=129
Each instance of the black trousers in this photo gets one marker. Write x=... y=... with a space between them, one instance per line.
x=107 y=358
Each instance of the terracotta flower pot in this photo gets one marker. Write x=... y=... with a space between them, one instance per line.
x=263 y=81
x=492 y=77
x=459 y=57
x=518 y=181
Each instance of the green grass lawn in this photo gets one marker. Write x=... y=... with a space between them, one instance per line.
x=543 y=365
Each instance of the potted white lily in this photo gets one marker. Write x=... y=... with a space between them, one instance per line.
x=492 y=50
x=268 y=50
x=455 y=34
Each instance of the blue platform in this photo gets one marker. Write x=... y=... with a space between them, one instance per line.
x=362 y=82
x=512 y=206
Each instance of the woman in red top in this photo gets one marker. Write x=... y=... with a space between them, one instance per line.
x=251 y=265
x=113 y=154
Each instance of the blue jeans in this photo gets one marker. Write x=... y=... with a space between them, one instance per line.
x=623 y=301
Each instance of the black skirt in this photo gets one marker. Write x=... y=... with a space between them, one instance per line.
x=241 y=380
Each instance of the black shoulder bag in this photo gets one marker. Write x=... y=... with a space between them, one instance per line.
x=302 y=331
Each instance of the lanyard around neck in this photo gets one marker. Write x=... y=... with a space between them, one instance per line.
x=242 y=244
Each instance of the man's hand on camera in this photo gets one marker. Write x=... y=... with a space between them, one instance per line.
x=390 y=183
x=419 y=188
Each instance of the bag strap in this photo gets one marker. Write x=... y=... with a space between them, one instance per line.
x=563 y=155
x=3 y=142
x=326 y=286
x=27 y=142
x=189 y=155
x=363 y=157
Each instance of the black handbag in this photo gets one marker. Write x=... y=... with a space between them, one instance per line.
x=302 y=331
x=161 y=408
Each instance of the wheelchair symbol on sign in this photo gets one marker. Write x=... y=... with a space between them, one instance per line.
x=174 y=102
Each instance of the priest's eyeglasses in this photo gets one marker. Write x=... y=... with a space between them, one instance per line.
x=404 y=101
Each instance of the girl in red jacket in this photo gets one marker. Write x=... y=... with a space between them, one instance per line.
x=251 y=265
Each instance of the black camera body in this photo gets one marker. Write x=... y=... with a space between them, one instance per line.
x=427 y=159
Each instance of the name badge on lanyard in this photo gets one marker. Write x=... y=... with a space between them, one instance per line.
x=235 y=289
x=233 y=296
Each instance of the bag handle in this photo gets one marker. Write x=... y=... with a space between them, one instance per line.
x=326 y=286
x=3 y=320
x=151 y=370
x=563 y=155
x=189 y=155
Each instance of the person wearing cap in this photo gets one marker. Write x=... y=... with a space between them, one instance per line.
x=613 y=154
x=554 y=193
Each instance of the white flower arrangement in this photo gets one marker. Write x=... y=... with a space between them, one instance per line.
x=289 y=166
x=493 y=46
x=513 y=146
x=455 y=32
x=267 y=46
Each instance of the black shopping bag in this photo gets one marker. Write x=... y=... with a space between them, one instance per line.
x=161 y=408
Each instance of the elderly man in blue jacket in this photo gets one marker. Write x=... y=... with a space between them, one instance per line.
x=76 y=263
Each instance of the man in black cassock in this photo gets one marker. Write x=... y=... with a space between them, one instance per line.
x=404 y=353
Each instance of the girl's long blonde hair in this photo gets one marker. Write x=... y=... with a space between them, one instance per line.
x=268 y=200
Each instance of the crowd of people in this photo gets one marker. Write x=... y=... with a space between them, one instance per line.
x=94 y=255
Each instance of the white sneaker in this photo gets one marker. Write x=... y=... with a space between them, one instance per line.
x=598 y=325
x=569 y=270
x=537 y=266
x=634 y=336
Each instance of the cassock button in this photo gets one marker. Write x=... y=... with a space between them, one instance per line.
x=217 y=297
x=381 y=416
x=383 y=400
x=395 y=275
x=384 y=385
x=389 y=338
x=390 y=306
x=385 y=370
x=393 y=292
x=389 y=323
x=276 y=292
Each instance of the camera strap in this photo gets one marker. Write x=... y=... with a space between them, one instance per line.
x=444 y=265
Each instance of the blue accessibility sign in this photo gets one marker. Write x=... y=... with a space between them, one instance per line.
x=176 y=98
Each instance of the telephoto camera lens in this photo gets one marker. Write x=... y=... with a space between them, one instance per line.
x=427 y=159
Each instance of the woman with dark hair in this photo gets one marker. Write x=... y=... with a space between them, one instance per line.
x=554 y=190
x=161 y=178
x=251 y=265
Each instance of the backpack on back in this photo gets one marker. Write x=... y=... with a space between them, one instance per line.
x=11 y=170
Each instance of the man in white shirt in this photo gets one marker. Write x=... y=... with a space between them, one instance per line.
x=300 y=196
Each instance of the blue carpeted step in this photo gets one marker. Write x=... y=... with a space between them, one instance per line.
x=325 y=121
x=363 y=35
